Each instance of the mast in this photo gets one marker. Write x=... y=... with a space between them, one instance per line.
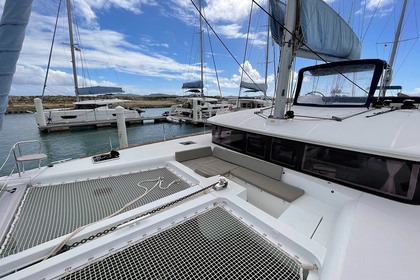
x=388 y=78
x=267 y=47
x=288 y=43
x=201 y=50
x=73 y=57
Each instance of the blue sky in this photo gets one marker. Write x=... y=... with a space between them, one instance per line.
x=152 y=46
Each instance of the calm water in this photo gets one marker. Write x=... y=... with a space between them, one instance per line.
x=75 y=144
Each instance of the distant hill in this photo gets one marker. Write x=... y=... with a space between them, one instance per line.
x=157 y=95
x=161 y=95
x=23 y=103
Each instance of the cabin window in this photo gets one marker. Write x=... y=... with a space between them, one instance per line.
x=284 y=152
x=256 y=145
x=69 y=117
x=392 y=178
x=380 y=174
x=88 y=106
x=230 y=138
x=338 y=86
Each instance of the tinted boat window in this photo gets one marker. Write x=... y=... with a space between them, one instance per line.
x=228 y=137
x=389 y=176
x=284 y=152
x=256 y=145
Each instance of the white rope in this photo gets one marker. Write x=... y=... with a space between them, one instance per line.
x=7 y=158
x=158 y=180
x=7 y=180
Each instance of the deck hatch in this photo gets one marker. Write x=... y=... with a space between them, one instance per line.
x=209 y=245
x=48 y=212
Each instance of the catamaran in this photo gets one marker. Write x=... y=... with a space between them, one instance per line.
x=94 y=111
x=196 y=107
x=324 y=188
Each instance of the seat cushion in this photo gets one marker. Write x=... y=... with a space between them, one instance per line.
x=269 y=169
x=265 y=183
x=210 y=166
x=181 y=156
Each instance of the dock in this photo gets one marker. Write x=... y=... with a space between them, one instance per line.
x=18 y=111
x=97 y=124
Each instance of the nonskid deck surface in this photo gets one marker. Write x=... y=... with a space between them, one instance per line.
x=47 y=212
x=210 y=245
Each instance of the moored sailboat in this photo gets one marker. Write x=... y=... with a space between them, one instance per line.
x=84 y=112
x=196 y=107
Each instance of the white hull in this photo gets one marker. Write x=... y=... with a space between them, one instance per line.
x=198 y=109
x=64 y=116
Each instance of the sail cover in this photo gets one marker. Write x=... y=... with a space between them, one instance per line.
x=98 y=90
x=12 y=32
x=322 y=29
x=196 y=84
x=254 y=86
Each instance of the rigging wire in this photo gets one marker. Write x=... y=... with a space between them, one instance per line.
x=214 y=61
x=409 y=39
x=85 y=70
x=221 y=41
x=51 y=50
x=386 y=43
x=300 y=41
x=371 y=19
x=361 y=26
x=246 y=47
x=109 y=59
x=191 y=70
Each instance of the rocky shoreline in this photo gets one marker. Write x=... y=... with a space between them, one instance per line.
x=21 y=104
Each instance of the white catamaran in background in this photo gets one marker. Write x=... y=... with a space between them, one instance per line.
x=196 y=107
x=252 y=94
x=87 y=111
x=327 y=187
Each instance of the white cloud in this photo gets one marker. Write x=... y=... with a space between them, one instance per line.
x=234 y=31
x=233 y=82
x=105 y=49
x=378 y=7
x=130 y=5
x=376 y=4
x=250 y=74
x=215 y=11
x=414 y=92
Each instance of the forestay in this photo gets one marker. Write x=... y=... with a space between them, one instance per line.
x=323 y=31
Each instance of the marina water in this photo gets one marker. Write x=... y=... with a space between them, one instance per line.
x=82 y=142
